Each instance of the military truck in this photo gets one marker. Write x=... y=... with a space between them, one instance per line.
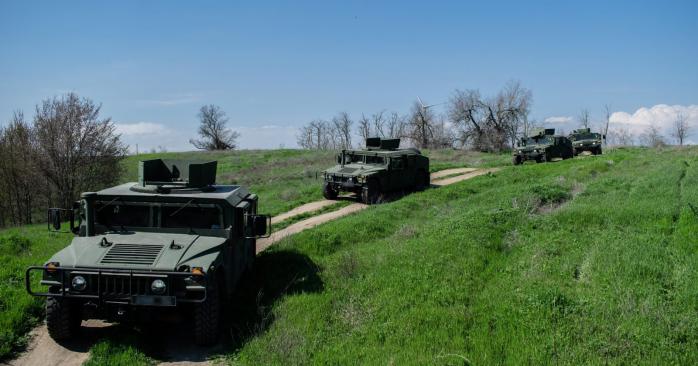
x=380 y=168
x=542 y=146
x=173 y=242
x=585 y=140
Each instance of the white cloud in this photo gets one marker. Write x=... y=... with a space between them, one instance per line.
x=140 y=129
x=558 y=119
x=661 y=116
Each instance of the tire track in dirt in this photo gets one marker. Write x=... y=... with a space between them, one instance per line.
x=43 y=350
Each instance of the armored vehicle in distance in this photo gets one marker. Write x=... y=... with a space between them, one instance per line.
x=381 y=167
x=542 y=146
x=585 y=140
x=172 y=242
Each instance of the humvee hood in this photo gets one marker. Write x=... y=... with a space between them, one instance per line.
x=354 y=169
x=139 y=251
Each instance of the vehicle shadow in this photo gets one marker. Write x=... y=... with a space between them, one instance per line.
x=276 y=273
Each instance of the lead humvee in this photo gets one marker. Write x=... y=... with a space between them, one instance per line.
x=382 y=167
x=585 y=140
x=542 y=146
x=172 y=242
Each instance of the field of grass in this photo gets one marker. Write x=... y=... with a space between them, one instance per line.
x=283 y=179
x=586 y=261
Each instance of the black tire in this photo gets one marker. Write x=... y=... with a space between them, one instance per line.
x=542 y=158
x=371 y=192
x=598 y=150
x=328 y=192
x=517 y=160
x=62 y=318
x=207 y=316
x=422 y=181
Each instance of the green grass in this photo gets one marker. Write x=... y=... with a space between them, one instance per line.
x=19 y=312
x=585 y=261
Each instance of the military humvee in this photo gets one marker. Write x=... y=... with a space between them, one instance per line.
x=542 y=146
x=172 y=242
x=585 y=140
x=382 y=167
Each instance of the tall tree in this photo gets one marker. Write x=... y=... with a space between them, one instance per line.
x=681 y=129
x=421 y=125
x=18 y=178
x=75 y=149
x=213 y=133
x=585 y=118
x=341 y=125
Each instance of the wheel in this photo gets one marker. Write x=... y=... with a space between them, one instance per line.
x=517 y=160
x=371 y=192
x=207 y=316
x=328 y=192
x=62 y=318
x=598 y=150
x=542 y=158
x=422 y=181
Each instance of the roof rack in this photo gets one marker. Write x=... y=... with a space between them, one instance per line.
x=177 y=173
x=377 y=143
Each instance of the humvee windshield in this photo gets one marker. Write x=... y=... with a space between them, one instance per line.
x=535 y=140
x=113 y=214
x=363 y=159
x=584 y=136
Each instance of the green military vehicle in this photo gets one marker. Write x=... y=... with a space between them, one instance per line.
x=585 y=140
x=542 y=146
x=380 y=168
x=174 y=242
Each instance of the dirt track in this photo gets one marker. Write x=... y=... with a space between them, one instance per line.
x=44 y=351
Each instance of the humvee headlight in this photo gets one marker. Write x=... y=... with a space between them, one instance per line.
x=79 y=283
x=158 y=287
x=361 y=179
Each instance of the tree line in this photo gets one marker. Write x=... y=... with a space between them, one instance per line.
x=65 y=149
x=485 y=123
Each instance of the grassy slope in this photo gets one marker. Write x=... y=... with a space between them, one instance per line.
x=283 y=178
x=492 y=271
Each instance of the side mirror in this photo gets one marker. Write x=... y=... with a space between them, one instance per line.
x=54 y=218
x=260 y=226
x=339 y=159
x=518 y=144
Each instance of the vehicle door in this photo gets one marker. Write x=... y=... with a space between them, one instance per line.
x=398 y=174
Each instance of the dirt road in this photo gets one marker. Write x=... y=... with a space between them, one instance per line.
x=43 y=351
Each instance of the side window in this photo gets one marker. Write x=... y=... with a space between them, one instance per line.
x=397 y=163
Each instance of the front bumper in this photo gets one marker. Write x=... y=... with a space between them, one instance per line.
x=120 y=286
x=586 y=147
x=344 y=183
x=529 y=155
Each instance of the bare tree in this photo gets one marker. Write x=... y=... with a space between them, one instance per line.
x=364 y=126
x=213 y=132
x=681 y=129
x=75 y=149
x=652 y=137
x=585 y=118
x=396 y=125
x=491 y=124
x=317 y=135
x=620 y=137
x=378 y=122
x=342 y=124
x=421 y=129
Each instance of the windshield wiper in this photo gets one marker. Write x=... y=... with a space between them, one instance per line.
x=108 y=203
x=181 y=208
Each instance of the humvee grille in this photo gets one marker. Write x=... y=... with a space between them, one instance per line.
x=347 y=170
x=140 y=254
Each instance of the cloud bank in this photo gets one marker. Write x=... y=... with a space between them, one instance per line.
x=661 y=116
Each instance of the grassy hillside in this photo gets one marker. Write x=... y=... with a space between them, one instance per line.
x=283 y=178
x=586 y=261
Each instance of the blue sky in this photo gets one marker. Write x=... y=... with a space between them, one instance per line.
x=273 y=66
